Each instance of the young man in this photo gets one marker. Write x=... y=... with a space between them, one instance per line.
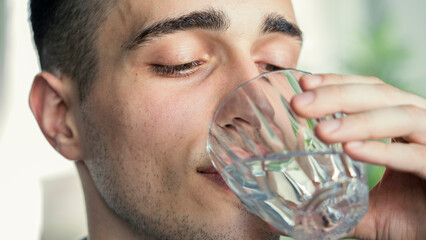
x=128 y=89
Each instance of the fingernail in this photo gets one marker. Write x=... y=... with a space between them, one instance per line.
x=354 y=144
x=330 y=126
x=313 y=80
x=304 y=98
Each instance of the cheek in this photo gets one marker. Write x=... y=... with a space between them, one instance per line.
x=166 y=133
x=167 y=126
x=155 y=131
x=176 y=120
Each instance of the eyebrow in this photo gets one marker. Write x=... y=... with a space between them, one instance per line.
x=211 y=19
x=275 y=23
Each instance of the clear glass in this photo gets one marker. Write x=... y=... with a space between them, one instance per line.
x=274 y=163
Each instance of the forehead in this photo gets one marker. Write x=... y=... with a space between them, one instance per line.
x=152 y=9
x=129 y=16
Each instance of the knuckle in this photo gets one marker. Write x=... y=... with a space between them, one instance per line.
x=333 y=78
x=413 y=112
x=363 y=117
x=357 y=119
x=338 y=90
x=332 y=75
x=390 y=93
x=362 y=121
x=374 y=79
x=420 y=154
x=386 y=148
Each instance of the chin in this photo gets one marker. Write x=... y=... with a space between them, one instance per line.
x=240 y=224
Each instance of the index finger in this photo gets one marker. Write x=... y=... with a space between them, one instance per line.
x=308 y=82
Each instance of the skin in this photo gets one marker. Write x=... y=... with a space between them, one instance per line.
x=139 y=140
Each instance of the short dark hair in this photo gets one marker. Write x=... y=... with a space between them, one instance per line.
x=65 y=34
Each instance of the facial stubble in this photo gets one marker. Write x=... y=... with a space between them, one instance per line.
x=107 y=171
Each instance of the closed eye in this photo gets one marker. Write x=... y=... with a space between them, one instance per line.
x=176 y=71
x=266 y=67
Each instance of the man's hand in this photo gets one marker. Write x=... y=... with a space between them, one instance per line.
x=376 y=110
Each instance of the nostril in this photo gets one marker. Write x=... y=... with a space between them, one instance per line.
x=230 y=128
x=241 y=120
x=251 y=120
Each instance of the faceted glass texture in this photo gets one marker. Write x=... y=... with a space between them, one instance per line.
x=274 y=163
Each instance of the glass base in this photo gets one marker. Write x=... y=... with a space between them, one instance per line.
x=330 y=213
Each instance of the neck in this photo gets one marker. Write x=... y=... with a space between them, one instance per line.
x=103 y=223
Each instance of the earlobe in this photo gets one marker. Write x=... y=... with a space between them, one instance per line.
x=51 y=108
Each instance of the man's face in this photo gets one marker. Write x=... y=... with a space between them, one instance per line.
x=147 y=118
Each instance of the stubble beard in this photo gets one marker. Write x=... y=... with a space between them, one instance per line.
x=166 y=223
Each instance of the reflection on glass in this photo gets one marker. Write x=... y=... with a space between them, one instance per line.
x=278 y=168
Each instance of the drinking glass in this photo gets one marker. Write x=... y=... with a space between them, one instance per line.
x=273 y=162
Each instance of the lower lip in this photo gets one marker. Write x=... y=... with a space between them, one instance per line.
x=217 y=179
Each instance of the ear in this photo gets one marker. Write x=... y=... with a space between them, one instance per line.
x=50 y=103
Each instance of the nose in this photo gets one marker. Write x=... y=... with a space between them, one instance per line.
x=247 y=106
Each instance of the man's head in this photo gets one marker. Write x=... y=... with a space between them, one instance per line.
x=162 y=69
